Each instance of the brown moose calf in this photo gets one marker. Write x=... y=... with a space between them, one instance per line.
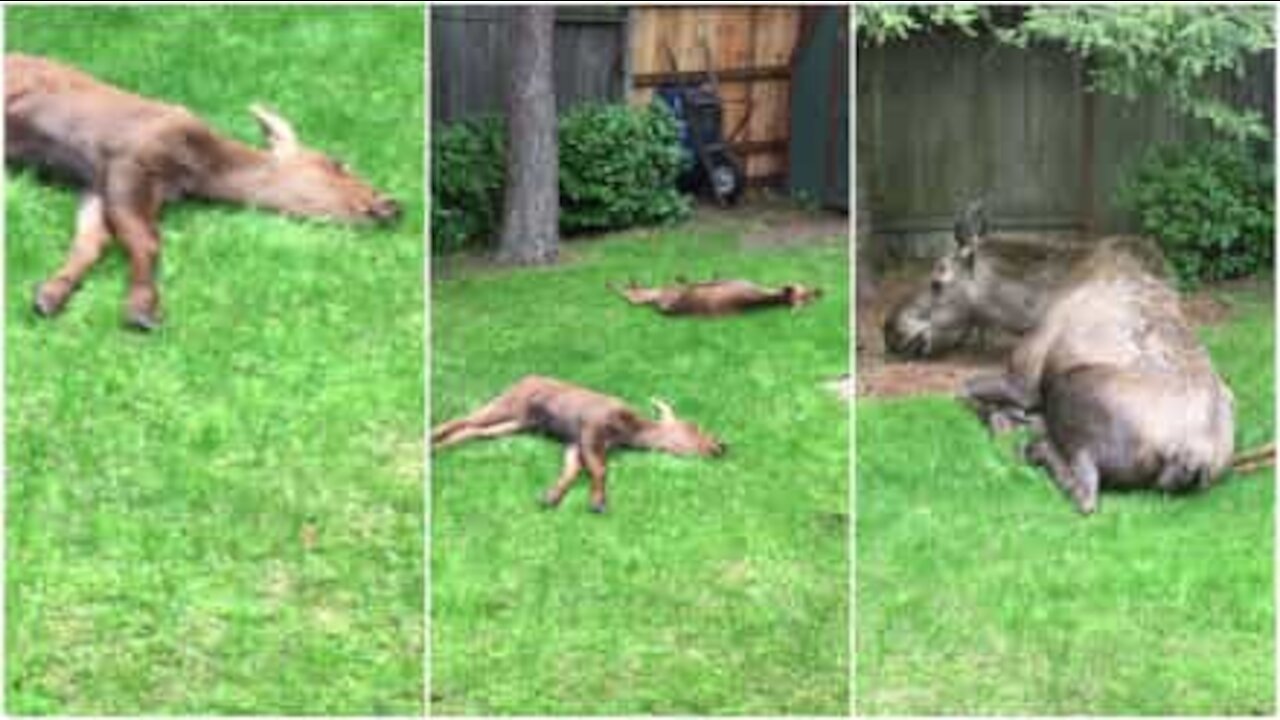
x=130 y=155
x=717 y=297
x=589 y=423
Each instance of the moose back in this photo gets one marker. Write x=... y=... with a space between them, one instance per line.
x=130 y=155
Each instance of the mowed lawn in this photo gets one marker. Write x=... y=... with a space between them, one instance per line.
x=711 y=586
x=226 y=516
x=981 y=591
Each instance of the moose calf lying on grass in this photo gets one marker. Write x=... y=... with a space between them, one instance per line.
x=1118 y=387
x=587 y=422
x=131 y=155
x=717 y=297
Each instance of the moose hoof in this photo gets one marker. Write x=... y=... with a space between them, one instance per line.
x=142 y=321
x=1000 y=424
x=1087 y=506
x=549 y=501
x=597 y=507
x=1034 y=452
x=47 y=303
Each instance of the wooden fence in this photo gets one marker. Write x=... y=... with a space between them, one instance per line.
x=615 y=54
x=942 y=118
x=469 y=58
x=748 y=48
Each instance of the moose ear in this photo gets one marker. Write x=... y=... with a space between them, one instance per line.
x=665 y=413
x=277 y=131
x=971 y=224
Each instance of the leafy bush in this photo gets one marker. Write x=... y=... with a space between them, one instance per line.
x=1164 y=49
x=881 y=24
x=466 y=182
x=618 y=168
x=1211 y=207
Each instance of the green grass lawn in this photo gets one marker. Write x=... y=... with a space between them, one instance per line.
x=712 y=586
x=225 y=516
x=981 y=591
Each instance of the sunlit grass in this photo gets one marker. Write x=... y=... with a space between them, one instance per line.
x=981 y=591
x=712 y=586
x=225 y=516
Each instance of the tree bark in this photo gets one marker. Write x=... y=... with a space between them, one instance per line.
x=531 y=205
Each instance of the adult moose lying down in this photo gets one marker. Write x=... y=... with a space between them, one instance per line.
x=988 y=282
x=589 y=423
x=1119 y=389
x=131 y=155
x=717 y=297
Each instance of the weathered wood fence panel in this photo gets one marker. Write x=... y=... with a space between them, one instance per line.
x=1126 y=131
x=469 y=58
x=749 y=48
x=943 y=118
x=615 y=54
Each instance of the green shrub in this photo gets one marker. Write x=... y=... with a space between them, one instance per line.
x=618 y=168
x=1210 y=206
x=466 y=182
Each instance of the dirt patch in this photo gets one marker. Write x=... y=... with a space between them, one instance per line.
x=470 y=263
x=766 y=220
x=913 y=377
x=882 y=376
x=763 y=220
x=795 y=229
x=1204 y=308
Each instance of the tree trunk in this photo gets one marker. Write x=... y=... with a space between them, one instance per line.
x=531 y=206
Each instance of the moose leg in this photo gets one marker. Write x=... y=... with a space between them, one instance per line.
x=1000 y=399
x=493 y=413
x=93 y=234
x=572 y=468
x=445 y=429
x=1085 y=471
x=593 y=456
x=635 y=294
x=641 y=296
x=1078 y=479
x=997 y=389
x=132 y=208
x=475 y=430
x=1179 y=474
